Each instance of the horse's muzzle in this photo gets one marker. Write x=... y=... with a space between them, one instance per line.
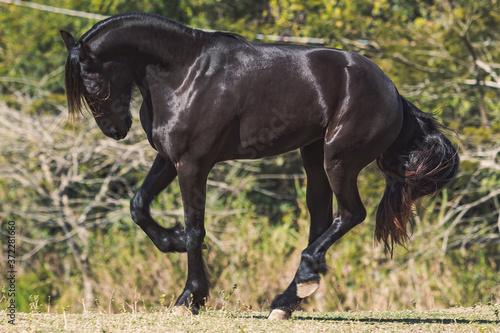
x=119 y=132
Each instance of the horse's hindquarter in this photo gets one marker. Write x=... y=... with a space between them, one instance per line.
x=369 y=115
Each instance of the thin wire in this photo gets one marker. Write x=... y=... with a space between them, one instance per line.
x=92 y=16
x=57 y=10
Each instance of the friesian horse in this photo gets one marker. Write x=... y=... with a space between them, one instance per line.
x=215 y=96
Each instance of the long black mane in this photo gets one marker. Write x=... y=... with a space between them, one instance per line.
x=75 y=90
x=78 y=96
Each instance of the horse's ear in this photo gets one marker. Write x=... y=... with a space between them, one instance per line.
x=69 y=41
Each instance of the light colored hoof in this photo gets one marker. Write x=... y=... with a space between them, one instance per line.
x=307 y=289
x=278 y=314
x=180 y=311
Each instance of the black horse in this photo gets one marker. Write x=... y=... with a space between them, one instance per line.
x=214 y=96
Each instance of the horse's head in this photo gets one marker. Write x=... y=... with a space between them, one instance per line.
x=103 y=86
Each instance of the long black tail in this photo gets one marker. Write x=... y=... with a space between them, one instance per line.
x=420 y=162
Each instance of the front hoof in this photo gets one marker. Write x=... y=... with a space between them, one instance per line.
x=307 y=288
x=278 y=314
x=189 y=301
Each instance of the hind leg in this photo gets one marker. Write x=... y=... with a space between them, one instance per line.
x=345 y=155
x=319 y=203
x=347 y=151
x=159 y=177
x=350 y=212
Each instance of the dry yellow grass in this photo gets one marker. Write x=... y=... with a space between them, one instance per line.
x=481 y=318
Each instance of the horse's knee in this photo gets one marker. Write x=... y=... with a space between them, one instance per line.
x=194 y=238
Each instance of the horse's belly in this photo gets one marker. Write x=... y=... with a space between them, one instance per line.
x=277 y=136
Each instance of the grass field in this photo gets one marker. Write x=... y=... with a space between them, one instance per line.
x=480 y=318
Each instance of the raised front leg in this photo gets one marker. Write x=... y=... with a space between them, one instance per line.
x=159 y=177
x=192 y=181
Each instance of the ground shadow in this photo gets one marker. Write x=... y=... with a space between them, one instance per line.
x=390 y=320
x=403 y=320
